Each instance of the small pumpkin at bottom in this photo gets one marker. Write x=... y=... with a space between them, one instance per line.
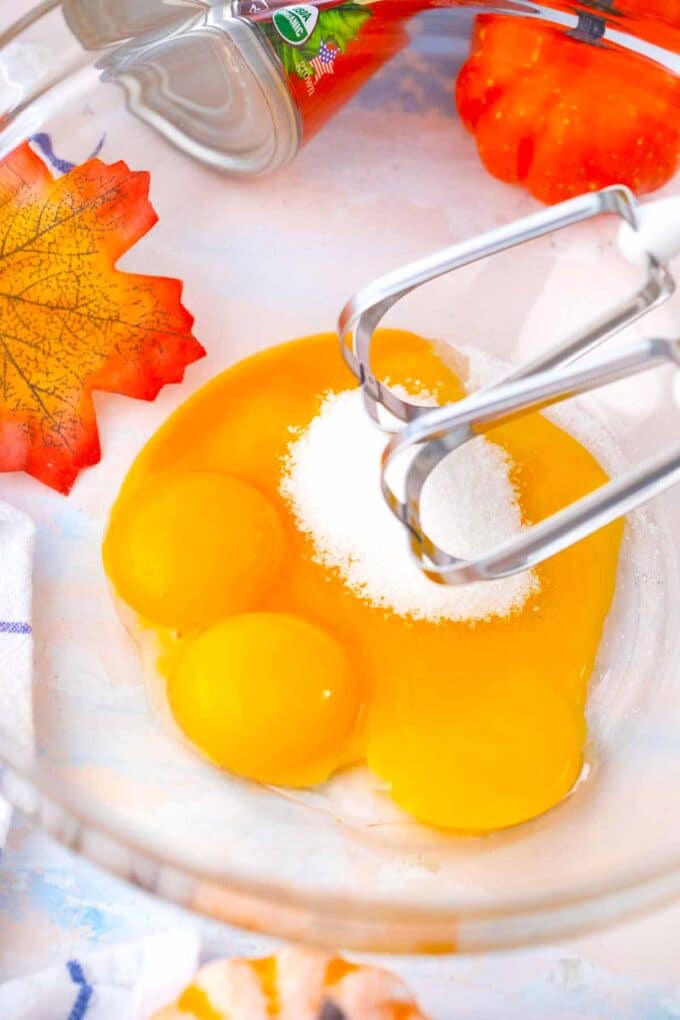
x=294 y=984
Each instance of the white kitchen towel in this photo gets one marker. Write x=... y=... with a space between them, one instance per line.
x=16 y=639
x=127 y=982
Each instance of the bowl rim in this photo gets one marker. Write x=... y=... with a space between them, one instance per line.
x=369 y=923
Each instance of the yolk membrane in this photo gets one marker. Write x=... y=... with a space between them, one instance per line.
x=283 y=675
x=193 y=547
x=267 y=695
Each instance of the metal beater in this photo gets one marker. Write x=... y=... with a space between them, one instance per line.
x=649 y=235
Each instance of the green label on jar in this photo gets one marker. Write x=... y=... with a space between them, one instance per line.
x=329 y=32
x=296 y=24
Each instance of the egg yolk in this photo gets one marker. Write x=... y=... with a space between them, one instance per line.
x=267 y=695
x=192 y=548
x=490 y=748
x=473 y=726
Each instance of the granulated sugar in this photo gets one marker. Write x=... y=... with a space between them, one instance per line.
x=469 y=505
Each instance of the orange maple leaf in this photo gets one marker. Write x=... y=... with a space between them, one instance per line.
x=70 y=322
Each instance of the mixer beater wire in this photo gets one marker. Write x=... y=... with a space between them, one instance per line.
x=649 y=235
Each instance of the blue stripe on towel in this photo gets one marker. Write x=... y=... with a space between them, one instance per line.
x=11 y=627
x=44 y=143
x=62 y=166
x=82 y=1003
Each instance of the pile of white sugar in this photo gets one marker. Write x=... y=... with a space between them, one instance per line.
x=469 y=505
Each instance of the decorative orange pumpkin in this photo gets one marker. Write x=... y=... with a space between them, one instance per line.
x=657 y=21
x=562 y=116
x=295 y=984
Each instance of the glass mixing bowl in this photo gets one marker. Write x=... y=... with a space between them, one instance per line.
x=392 y=176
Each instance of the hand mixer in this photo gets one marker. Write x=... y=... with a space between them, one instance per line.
x=649 y=235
